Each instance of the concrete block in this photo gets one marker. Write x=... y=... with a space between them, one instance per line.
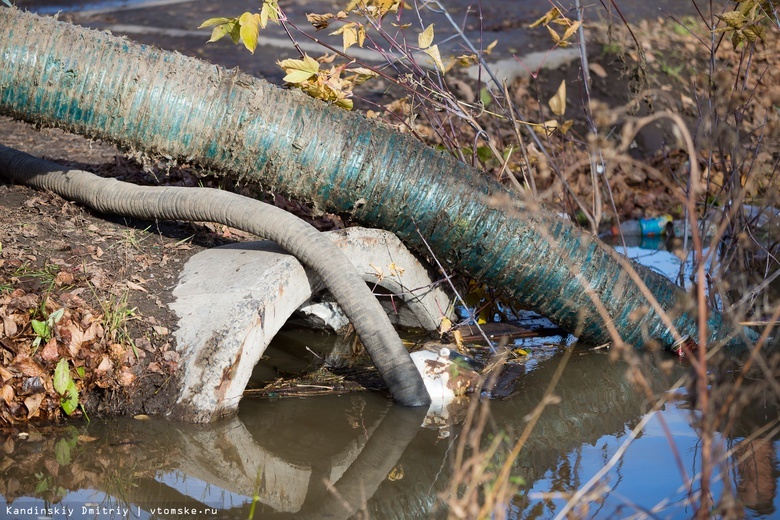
x=232 y=300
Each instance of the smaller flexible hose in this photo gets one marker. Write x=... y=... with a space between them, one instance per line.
x=296 y=236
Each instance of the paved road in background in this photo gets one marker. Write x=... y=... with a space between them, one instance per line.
x=172 y=24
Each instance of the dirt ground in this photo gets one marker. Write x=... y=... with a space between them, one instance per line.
x=113 y=276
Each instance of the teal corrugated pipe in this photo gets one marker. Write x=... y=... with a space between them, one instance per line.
x=105 y=87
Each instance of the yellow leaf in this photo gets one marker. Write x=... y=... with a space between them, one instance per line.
x=558 y=101
x=320 y=21
x=250 y=28
x=549 y=127
x=445 y=325
x=733 y=19
x=425 y=39
x=458 y=337
x=269 y=11
x=351 y=33
x=299 y=71
x=554 y=34
x=433 y=52
x=361 y=75
x=548 y=17
x=350 y=36
x=572 y=29
x=490 y=47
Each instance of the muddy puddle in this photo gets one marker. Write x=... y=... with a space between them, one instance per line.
x=358 y=455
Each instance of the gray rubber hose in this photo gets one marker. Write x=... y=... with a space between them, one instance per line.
x=211 y=205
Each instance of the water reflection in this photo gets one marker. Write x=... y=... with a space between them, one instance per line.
x=337 y=456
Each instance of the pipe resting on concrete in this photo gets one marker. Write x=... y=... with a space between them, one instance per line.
x=163 y=103
x=211 y=205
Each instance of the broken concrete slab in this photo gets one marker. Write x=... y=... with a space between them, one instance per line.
x=232 y=300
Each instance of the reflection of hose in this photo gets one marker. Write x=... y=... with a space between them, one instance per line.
x=371 y=468
x=106 y=87
x=211 y=205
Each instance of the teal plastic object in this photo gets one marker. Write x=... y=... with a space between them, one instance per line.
x=143 y=98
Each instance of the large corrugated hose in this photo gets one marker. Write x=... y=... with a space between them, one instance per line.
x=140 y=97
x=211 y=205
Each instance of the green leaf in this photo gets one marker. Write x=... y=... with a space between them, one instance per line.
x=235 y=32
x=62 y=379
x=8 y=3
x=81 y=372
x=70 y=402
x=62 y=452
x=485 y=96
x=214 y=21
x=40 y=328
x=43 y=486
x=250 y=30
x=56 y=316
x=219 y=32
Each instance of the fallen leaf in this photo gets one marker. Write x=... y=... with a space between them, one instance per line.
x=597 y=69
x=25 y=365
x=162 y=331
x=104 y=366
x=50 y=351
x=126 y=378
x=10 y=327
x=63 y=278
x=171 y=355
x=5 y=374
x=8 y=394
x=136 y=287
x=33 y=403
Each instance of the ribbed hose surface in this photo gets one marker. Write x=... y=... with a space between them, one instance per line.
x=210 y=205
x=164 y=103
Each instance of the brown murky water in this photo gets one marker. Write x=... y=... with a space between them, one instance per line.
x=340 y=456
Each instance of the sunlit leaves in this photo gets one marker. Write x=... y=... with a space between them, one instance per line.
x=376 y=8
x=550 y=16
x=269 y=11
x=245 y=28
x=425 y=38
x=327 y=85
x=554 y=16
x=250 y=30
x=352 y=33
x=558 y=101
x=322 y=21
x=299 y=71
x=424 y=41
x=557 y=105
x=746 y=23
